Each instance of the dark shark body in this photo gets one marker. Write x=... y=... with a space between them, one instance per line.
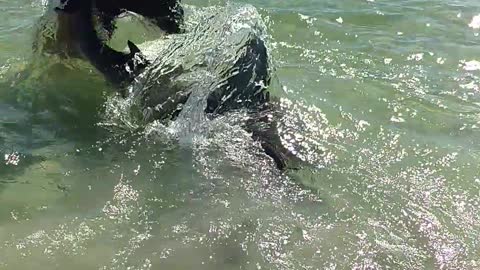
x=166 y=14
x=75 y=33
x=243 y=85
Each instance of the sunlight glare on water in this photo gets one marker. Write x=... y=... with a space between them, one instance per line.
x=379 y=99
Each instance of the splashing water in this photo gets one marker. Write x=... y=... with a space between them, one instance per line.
x=382 y=107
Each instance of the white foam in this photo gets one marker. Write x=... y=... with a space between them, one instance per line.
x=475 y=23
x=471 y=65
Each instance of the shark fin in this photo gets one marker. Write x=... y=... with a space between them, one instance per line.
x=133 y=48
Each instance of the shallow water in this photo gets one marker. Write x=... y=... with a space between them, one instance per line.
x=382 y=104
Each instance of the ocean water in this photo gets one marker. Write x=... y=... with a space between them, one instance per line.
x=381 y=102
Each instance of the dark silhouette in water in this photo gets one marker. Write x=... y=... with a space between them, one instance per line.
x=76 y=34
x=245 y=83
x=166 y=14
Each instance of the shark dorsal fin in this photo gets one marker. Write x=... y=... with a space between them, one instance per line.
x=132 y=47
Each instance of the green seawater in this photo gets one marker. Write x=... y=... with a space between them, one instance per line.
x=383 y=105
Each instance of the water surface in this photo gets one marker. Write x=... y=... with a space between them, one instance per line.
x=382 y=103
